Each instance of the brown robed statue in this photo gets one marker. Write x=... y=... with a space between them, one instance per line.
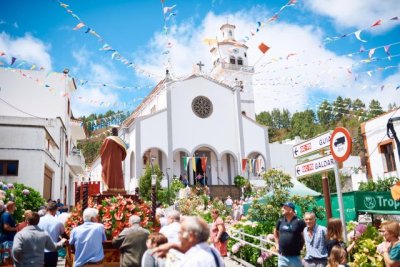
x=113 y=152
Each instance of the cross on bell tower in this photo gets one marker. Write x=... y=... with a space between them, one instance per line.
x=200 y=65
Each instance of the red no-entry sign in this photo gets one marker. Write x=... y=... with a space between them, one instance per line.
x=340 y=144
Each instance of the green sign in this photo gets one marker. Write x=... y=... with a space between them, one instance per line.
x=376 y=201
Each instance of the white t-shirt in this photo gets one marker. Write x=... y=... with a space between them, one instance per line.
x=228 y=202
x=201 y=255
x=171 y=232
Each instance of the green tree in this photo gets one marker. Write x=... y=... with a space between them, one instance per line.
x=265 y=118
x=303 y=124
x=374 y=109
x=338 y=108
x=145 y=182
x=315 y=182
x=286 y=119
x=324 y=113
x=277 y=118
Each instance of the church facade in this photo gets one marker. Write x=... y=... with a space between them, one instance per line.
x=200 y=126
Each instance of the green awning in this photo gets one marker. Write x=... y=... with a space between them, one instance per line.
x=382 y=212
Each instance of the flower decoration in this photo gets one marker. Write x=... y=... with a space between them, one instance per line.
x=114 y=213
x=10 y=186
x=25 y=192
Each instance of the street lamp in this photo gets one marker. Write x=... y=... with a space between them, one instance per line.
x=169 y=193
x=153 y=196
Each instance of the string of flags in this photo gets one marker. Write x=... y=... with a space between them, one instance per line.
x=273 y=18
x=357 y=33
x=251 y=165
x=106 y=47
x=168 y=13
x=194 y=162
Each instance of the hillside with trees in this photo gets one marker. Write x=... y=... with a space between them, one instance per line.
x=307 y=124
x=98 y=127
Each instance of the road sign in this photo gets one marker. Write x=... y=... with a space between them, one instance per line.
x=315 y=166
x=340 y=144
x=312 y=145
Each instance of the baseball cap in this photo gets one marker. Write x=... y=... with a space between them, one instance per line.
x=289 y=204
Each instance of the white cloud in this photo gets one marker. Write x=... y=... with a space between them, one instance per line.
x=27 y=48
x=94 y=98
x=279 y=82
x=358 y=13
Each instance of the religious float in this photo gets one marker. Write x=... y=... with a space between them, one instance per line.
x=114 y=213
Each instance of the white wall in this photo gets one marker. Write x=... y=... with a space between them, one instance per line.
x=254 y=138
x=282 y=158
x=189 y=130
x=154 y=132
x=375 y=130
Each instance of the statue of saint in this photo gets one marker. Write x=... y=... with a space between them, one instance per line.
x=113 y=152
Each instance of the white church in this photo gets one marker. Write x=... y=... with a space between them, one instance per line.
x=202 y=124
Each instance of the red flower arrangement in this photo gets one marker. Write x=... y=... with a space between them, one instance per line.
x=114 y=213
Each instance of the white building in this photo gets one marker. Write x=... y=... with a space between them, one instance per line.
x=381 y=151
x=199 y=117
x=38 y=138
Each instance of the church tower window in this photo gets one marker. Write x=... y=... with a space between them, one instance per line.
x=240 y=61
x=230 y=33
x=202 y=107
x=245 y=55
x=232 y=60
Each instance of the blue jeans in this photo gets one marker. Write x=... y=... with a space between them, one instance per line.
x=289 y=261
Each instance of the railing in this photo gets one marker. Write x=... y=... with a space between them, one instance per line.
x=239 y=235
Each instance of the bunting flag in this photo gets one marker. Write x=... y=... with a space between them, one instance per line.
x=2 y=53
x=204 y=164
x=357 y=34
x=377 y=23
x=258 y=165
x=168 y=9
x=386 y=48
x=371 y=53
x=250 y=166
x=244 y=163
x=263 y=48
x=185 y=162
x=80 y=25
x=194 y=164
x=13 y=59
x=118 y=56
x=210 y=41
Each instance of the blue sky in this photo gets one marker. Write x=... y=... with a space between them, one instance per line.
x=298 y=72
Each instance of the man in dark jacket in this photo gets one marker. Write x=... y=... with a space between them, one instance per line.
x=132 y=249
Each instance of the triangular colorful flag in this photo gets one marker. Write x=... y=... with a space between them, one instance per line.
x=386 y=48
x=2 y=53
x=377 y=23
x=263 y=48
x=371 y=53
x=357 y=34
x=13 y=59
x=250 y=166
x=168 y=9
x=79 y=25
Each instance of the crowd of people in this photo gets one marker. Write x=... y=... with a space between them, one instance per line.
x=324 y=246
x=181 y=241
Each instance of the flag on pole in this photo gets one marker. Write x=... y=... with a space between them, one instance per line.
x=204 y=164
x=194 y=164
x=244 y=163
x=185 y=161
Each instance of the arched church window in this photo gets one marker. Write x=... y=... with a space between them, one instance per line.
x=232 y=60
x=244 y=113
x=230 y=33
x=245 y=55
x=240 y=61
x=202 y=107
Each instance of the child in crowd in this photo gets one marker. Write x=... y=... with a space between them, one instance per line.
x=337 y=257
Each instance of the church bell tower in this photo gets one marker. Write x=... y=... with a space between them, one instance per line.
x=230 y=66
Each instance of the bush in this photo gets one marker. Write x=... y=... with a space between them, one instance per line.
x=25 y=198
x=378 y=186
